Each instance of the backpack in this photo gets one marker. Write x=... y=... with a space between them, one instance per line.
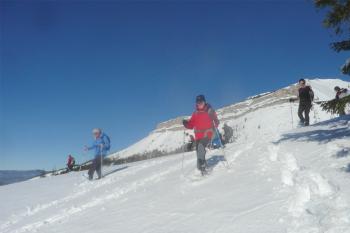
x=107 y=142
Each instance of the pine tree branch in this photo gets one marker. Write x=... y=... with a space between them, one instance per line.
x=335 y=106
x=341 y=46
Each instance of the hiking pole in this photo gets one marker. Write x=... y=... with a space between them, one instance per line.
x=291 y=113
x=183 y=154
x=101 y=160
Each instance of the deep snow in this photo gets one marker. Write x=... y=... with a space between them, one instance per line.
x=297 y=182
x=279 y=178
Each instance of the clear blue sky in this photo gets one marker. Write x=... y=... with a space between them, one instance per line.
x=69 y=66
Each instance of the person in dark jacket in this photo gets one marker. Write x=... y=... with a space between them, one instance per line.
x=341 y=92
x=204 y=122
x=305 y=96
x=228 y=134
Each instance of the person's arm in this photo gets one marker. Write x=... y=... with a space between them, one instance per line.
x=87 y=148
x=292 y=99
x=189 y=124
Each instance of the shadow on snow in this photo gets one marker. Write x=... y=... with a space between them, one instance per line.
x=338 y=128
x=214 y=160
x=115 y=170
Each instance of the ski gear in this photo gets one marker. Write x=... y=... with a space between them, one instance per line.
x=291 y=114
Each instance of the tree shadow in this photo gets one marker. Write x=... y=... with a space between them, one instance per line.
x=320 y=135
x=214 y=160
x=115 y=170
x=338 y=128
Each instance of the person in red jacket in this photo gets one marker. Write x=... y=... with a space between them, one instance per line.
x=70 y=162
x=204 y=122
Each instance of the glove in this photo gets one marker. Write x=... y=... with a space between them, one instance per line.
x=185 y=122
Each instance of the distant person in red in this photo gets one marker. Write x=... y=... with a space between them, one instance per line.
x=70 y=162
x=204 y=121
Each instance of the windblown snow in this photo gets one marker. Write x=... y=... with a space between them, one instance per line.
x=277 y=178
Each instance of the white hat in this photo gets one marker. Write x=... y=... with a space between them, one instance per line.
x=96 y=130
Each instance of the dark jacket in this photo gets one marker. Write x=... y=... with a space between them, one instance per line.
x=342 y=93
x=306 y=95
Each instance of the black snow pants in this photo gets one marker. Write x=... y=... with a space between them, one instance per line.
x=304 y=108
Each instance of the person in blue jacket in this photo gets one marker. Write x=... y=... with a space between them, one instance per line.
x=101 y=146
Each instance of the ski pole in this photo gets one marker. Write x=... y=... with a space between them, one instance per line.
x=101 y=160
x=183 y=154
x=291 y=113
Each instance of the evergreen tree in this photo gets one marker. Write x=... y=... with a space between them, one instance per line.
x=336 y=106
x=338 y=19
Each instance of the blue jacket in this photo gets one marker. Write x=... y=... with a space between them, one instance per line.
x=101 y=145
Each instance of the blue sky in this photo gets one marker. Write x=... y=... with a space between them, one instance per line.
x=69 y=66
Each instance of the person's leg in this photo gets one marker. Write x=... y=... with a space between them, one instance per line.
x=201 y=145
x=307 y=112
x=98 y=167
x=300 y=113
x=92 y=169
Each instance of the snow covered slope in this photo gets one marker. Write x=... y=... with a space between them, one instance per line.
x=297 y=181
x=258 y=115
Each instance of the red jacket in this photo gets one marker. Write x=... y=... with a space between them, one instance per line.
x=70 y=160
x=203 y=122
